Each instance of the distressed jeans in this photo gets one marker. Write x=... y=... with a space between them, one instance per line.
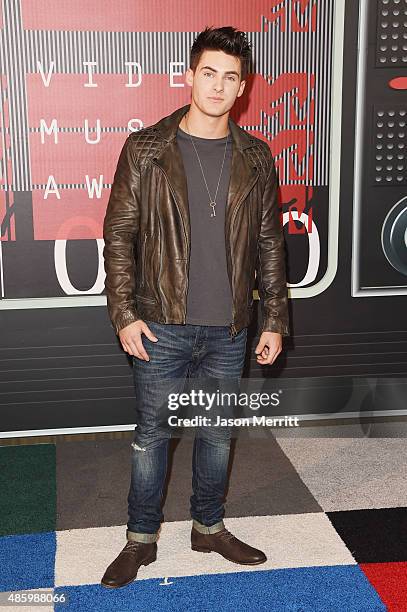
x=182 y=355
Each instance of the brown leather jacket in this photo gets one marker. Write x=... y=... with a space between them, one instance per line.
x=147 y=231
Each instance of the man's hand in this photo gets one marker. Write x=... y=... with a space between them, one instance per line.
x=130 y=337
x=268 y=348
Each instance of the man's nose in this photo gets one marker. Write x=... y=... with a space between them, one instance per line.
x=218 y=85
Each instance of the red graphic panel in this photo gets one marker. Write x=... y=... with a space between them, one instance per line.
x=60 y=148
x=293 y=136
x=72 y=158
x=171 y=16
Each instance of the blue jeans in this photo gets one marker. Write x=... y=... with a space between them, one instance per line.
x=182 y=351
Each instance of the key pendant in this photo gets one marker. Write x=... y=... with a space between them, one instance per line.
x=213 y=213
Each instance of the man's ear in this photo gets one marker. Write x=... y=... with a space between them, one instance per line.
x=189 y=77
x=241 y=88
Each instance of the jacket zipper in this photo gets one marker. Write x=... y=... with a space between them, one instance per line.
x=232 y=327
x=183 y=225
x=143 y=259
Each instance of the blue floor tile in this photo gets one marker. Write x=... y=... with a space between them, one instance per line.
x=310 y=589
x=27 y=561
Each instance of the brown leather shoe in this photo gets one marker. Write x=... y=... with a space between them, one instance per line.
x=124 y=568
x=227 y=545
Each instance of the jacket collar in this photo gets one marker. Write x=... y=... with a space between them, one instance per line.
x=243 y=173
x=168 y=128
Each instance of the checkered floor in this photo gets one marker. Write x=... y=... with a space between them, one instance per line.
x=330 y=513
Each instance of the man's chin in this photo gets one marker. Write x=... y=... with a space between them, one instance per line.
x=212 y=110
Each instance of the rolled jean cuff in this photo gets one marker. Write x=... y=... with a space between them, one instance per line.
x=204 y=529
x=146 y=538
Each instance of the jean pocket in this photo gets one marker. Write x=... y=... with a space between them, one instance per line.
x=242 y=333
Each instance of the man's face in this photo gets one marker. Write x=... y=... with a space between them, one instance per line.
x=216 y=82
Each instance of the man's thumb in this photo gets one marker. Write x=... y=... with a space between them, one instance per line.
x=259 y=348
x=147 y=331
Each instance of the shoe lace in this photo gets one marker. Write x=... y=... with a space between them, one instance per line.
x=226 y=535
x=132 y=546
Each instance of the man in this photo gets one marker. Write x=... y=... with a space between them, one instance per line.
x=192 y=215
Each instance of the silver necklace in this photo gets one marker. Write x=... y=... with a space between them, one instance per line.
x=212 y=201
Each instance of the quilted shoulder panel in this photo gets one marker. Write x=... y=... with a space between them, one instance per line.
x=260 y=155
x=146 y=143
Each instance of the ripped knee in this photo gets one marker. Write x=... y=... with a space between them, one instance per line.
x=137 y=447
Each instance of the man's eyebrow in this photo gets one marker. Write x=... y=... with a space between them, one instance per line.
x=214 y=70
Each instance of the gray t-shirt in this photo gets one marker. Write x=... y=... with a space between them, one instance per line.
x=209 y=300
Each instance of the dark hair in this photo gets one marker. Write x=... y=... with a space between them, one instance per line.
x=226 y=39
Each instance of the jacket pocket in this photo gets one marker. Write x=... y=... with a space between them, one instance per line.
x=143 y=298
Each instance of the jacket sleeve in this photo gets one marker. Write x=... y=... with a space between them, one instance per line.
x=271 y=269
x=120 y=229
